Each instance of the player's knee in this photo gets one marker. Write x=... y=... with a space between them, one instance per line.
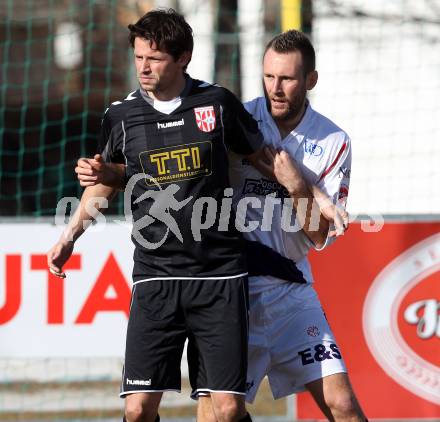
x=343 y=405
x=205 y=411
x=228 y=411
x=206 y=417
x=135 y=412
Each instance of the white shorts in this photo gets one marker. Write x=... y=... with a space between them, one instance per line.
x=290 y=340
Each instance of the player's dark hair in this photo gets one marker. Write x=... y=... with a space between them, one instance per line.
x=167 y=29
x=294 y=40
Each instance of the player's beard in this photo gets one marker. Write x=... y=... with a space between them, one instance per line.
x=291 y=108
x=148 y=85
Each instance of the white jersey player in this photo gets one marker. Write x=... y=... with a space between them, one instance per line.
x=322 y=153
x=290 y=340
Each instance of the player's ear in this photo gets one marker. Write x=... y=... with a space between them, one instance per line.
x=311 y=80
x=184 y=58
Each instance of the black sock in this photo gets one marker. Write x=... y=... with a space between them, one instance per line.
x=247 y=418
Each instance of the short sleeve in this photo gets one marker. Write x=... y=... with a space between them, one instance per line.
x=111 y=140
x=242 y=134
x=335 y=180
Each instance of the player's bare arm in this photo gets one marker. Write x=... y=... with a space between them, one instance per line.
x=91 y=171
x=263 y=161
x=91 y=203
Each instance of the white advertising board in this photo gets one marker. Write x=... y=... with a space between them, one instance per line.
x=84 y=315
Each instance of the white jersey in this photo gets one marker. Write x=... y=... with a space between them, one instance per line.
x=323 y=153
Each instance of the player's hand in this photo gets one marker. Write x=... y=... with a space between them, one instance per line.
x=339 y=217
x=263 y=162
x=287 y=173
x=90 y=170
x=58 y=256
x=333 y=213
x=93 y=171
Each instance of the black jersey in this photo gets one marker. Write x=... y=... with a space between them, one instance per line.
x=179 y=162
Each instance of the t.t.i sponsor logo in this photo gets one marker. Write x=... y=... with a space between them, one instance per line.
x=401 y=319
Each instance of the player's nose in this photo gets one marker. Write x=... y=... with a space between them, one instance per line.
x=277 y=87
x=145 y=66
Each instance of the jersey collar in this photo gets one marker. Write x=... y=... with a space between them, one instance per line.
x=298 y=132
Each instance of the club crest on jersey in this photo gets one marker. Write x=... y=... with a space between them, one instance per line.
x=205 y=118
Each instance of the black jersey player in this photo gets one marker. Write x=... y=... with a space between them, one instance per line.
x=173 y=135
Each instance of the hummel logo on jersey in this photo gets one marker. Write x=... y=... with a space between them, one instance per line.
x=138 y=382
x=170 y=124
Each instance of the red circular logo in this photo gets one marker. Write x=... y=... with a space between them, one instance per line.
x=418 y=318
x=401 y=319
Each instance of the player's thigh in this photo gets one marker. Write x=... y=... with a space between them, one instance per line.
x=216 y=314
x=303 y=347
x=156 y=335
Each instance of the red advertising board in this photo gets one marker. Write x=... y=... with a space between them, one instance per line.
x=381 y=293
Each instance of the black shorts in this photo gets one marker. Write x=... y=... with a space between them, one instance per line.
x=211 y=313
